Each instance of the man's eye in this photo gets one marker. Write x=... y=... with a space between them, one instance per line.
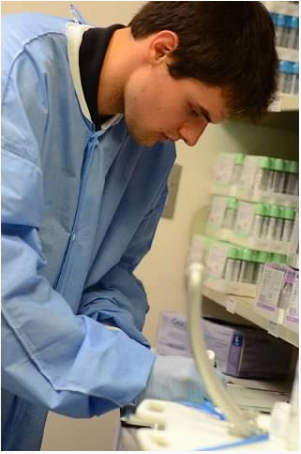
x=194 y=112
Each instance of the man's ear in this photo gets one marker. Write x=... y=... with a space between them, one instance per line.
x=161 y=45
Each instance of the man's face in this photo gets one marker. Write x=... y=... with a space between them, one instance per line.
x=158 y=107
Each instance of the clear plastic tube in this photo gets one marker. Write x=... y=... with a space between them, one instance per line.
x=287 y=230
x=293 y=32
x=271 y=230
x=279 y=22
x=257 y=225
x=279 y=224
x=236 y=270
x=289 y=217
x=229 y=267
x=265 y=222
x=242 y=426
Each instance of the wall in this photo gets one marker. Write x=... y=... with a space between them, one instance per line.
x=96 y=12
x=162 y=271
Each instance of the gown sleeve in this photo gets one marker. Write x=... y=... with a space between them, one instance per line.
x=119 y=298
x=68 y=363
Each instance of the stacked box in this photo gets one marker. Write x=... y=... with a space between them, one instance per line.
x=239 y=351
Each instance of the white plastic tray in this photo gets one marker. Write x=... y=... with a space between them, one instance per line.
x=188 y=429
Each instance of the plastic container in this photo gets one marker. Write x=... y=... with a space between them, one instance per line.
x=230 y=213
x=262 y=174
x=230 y=263
x=284 y=75
x=293 y=178
x=258 y=220
x=271 y=176
x=287 y=171
x=289 y=217
x=246 y=273
x=273 y=217
x=292 y=34
x=289 y=79
x=280 y=224
x=238 y=164
x=265 y=221
x=294 y=89
x=278 y=166
x=280 y=25
x=237 y=265
x=260 y=259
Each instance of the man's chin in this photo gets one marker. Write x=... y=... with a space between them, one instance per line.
x=144 y=141
x=143 y=138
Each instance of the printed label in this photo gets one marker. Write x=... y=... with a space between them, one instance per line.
x=230 y=305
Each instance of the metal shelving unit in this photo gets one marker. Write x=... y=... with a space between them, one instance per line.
x=243 y=307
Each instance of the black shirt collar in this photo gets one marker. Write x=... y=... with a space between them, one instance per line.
x=91 y=57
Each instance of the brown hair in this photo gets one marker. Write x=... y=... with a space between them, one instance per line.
x=226 y=44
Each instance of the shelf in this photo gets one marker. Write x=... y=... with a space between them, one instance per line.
x=293 y=260
x=283 y=113
x=255 y=195
x=226 y=287
x=285 y=53
x=285 y=103
x=257 y=244
x=260 y=244
x=243 y=307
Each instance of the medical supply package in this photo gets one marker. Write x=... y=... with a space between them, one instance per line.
x=240 y=351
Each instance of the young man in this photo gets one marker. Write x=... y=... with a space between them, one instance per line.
x=89 y=121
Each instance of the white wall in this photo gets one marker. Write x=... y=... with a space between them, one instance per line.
x=96 y=12
x=162 y=271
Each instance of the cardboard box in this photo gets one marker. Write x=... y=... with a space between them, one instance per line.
x=239 y=351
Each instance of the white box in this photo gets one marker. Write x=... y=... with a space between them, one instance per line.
x=239 y=351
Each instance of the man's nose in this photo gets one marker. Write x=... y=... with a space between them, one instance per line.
x=191 y=133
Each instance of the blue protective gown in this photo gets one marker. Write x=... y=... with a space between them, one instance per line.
x=79 y=211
